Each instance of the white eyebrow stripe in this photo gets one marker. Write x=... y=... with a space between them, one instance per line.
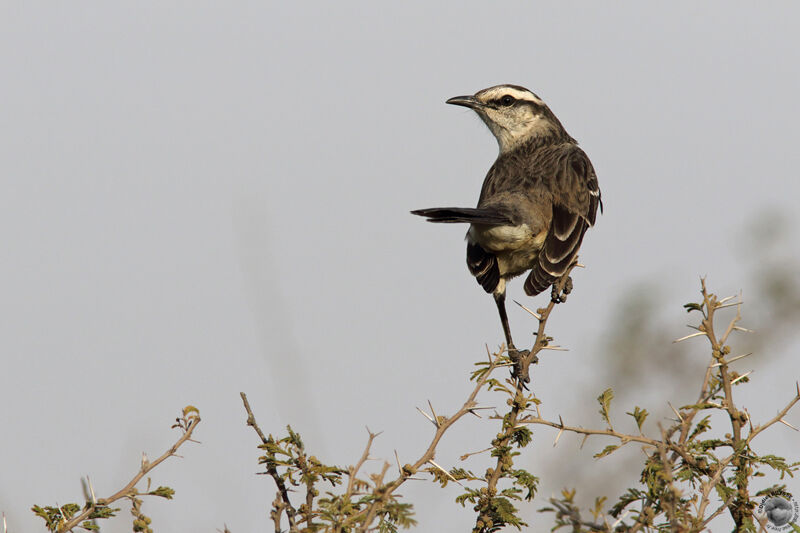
x=501 y=90
x=522 y=95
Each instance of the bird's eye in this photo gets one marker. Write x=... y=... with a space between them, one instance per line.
x=507 y=100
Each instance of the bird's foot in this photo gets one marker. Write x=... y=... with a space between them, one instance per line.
x=522 y=361
x=561 y=290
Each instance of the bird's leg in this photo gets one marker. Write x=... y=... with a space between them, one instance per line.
x=515 y=355
x=500 y=300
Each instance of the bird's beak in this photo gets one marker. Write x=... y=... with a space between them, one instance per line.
x=466 y=101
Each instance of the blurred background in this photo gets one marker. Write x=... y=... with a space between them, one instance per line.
x=199 y=198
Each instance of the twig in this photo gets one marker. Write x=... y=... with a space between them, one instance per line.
x=271 y=470
x=365 y=517
x=519 y=403
x=353 y=470
x=774 y=420
x=129 y=489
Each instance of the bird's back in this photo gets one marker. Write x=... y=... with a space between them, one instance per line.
x=546 y=191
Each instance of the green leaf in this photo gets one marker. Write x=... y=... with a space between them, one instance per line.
x=701 y=427
x=639 y=415
x=693 y=307
x=724 y=492
x=625 y=500
x=471 y=495
x=163 y=492
x=525 y=479
x=605 y=404
x=522 y=437
x=608 y=450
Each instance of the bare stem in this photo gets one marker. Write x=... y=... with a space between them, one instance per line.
x=291 y=512
x=130 y=488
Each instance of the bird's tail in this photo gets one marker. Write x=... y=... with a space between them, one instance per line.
x=471 y=215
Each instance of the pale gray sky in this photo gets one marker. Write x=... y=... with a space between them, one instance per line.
x=199 y=198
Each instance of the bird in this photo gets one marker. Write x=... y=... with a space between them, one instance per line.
x=537 y=200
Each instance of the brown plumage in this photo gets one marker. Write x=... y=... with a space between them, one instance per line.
x=536 y=203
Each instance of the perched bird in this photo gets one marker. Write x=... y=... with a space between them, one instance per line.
x=536 y=203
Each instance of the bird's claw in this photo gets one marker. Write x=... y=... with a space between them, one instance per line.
x=522 y=363
x=560 y=296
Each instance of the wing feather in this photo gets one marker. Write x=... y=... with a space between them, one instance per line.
x=576 y=197
x=483 y=265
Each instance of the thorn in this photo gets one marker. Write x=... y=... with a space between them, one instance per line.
x=448 y=474
x=467 y=455
x=680 y=418
x=741 y=377
x=426 y=415
x=556 y=348
x=689 y=336
x=584 y=441
x=371 y=434
x=727 y=299
x=560 y=432
x=784 y=422
x=145 y=462
x=732 y=304
x=729 y=361
x=745 y=330
x=615 y=524
x=397 y=458
x=435 y=418
x=91 y=490
x=537 y=316
x=580 y=265
x=797 y=384
x=5 y=526
x=472 y=411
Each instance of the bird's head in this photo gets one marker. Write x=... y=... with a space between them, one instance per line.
x=514 y=114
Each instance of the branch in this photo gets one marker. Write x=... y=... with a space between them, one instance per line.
x=778 y=418
x=271 y=470
x=520 y=401
x=624 y=437
x=188 y=424
x=353 y=471
x=406 y=471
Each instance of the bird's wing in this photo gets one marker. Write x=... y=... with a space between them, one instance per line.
x=576 y=197
x=483 y=265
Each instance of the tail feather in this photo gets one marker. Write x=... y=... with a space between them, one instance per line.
x=470 y=215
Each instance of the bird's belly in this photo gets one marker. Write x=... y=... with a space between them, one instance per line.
x=515 y=262
x=516 y=247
